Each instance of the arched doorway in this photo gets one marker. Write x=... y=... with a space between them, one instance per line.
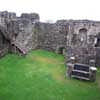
x=83 y=36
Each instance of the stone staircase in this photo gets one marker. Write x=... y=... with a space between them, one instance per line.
x=82 y=71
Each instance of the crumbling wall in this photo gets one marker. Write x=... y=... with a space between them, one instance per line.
x=19 y=31
x=82 y=41
x=26 y=39
x=4 y=45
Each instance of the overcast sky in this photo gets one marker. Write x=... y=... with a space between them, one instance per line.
x=55 y=9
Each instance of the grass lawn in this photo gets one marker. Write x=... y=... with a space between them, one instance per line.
x=41 y=76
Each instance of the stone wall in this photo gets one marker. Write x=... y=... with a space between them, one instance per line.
x=78 y=38
x=51 y=36
x=19 y=31
x=81 y=41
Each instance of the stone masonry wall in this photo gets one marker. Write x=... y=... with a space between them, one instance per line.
x=51 y=36
x=78 y=38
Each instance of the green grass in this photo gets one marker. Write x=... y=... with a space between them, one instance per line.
x=41 y=76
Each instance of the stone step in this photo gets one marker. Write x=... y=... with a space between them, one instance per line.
x=81 y=71
x=79 y=77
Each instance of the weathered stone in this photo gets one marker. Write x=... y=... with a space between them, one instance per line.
x=78 y=38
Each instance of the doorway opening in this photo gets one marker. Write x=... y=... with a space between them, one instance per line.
x=61 y=50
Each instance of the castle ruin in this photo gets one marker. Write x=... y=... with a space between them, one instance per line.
x=77 y=38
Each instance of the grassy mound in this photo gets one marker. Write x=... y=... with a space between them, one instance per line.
x=41 y=76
